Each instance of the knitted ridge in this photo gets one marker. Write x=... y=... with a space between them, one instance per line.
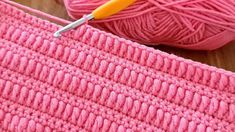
x=89 y=80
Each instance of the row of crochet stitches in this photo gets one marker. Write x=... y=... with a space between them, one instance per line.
x=91 y=80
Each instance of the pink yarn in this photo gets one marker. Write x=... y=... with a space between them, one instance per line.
x=190 y=24
x=90 y=80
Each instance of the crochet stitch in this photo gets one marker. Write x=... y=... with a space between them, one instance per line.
x=89 y=80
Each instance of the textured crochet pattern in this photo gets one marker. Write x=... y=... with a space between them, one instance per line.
x=89 y=80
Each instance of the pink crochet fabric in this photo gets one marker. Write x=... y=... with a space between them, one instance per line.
x=94 y=81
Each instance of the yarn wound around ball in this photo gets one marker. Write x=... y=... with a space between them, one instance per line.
x=189 y=24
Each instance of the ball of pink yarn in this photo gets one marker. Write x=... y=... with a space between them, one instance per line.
x=190 y=24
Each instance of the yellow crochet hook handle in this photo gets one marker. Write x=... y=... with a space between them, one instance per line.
x=104 y=11
x=110 y=8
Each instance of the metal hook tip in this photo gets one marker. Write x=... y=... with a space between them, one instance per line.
x=73 y=25
x=56 y=34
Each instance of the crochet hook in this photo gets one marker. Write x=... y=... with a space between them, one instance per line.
x=110 y=8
